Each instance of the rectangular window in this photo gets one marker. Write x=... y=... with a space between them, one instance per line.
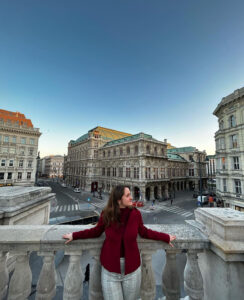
x=6 y=139
x=1 y=176
x=22 y=151
x=234 y=142
x=31 y=151
x=155 y=176
x=108 y=172
x=3 y=162
x=162 y=173
x=236 y=163
x=120 y=172
x=11 y=163
x=21 y=163
x=128 y=172
x=191 y=172
x=12 y=150
x=222 y=143
x=148 y=173
x=237 y=186
x=223 y=162
x=114 y=172
x=14 y=139
x=103 y=171
x=136 y=173
x=4 y=150
x=9 y=175
x=28 y=175
x=19 y=175
x=32 y=141
x=224 y=185
x=30 y=164
x=23 y=141
x=173 y=172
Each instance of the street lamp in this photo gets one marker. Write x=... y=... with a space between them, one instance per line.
x=200 y=176
x=37 y=166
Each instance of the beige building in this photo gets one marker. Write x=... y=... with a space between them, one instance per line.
x=51 y=166
x=103 y=158
x=18 y=149
x=230 y=150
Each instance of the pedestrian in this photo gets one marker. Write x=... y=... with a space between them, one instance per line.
x=153 y=202
x=171 y=200
x=120 y=256
x=211 y=201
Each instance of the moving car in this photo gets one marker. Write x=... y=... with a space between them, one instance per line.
x=77 y=190
x=204 y=199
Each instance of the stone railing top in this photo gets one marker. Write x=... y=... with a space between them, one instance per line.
x=49 y=238
x=224 y=227
x=15 y=195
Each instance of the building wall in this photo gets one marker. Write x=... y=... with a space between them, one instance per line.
x=18 y=152
x=230 y=150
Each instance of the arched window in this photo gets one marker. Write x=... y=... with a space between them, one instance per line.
x=128 y=150
x=155 y=151
x=221 y=124
x=136 y=150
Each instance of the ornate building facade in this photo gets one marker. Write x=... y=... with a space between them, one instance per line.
x=103 y=158
x=51 y=166
x=229 y=141
x=18 y=149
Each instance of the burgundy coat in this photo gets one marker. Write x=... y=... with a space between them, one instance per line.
x=110 y=253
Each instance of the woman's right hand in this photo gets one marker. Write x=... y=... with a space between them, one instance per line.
x=68 y=236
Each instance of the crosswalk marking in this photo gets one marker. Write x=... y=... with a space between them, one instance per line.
x=172 y=209
x=63 y=208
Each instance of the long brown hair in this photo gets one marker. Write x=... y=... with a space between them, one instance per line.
x=111 y=212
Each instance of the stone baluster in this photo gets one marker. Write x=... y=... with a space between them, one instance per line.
x=4 y=276
x=148 y=284
x=170 y=278
x=95 y=287
x=193 y=281
x=73 y=284
x=46 y=285
x=20 y=283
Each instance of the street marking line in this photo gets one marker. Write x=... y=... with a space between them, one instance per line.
x=186 y=213
x=61 y=208
x=189 y=214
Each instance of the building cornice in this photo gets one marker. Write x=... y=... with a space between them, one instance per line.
x=20 y=130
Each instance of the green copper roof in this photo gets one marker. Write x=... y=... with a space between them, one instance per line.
x=130 y=138
x=81 y=138
x=175 y=157
x=181 y=150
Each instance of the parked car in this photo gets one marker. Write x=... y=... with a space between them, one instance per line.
x=203 y=200
x=197 y=193
x=77 y=190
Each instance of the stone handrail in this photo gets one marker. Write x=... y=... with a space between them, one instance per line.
x=20 y=240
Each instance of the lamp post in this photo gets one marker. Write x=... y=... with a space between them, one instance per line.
x=200 y=176
x=37 y=166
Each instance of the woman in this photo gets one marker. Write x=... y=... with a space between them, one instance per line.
x=120 y=257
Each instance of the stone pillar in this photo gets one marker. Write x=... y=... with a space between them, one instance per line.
x=143 y=193
x=46 y=285
x=167 y=190
x=95 y=287
x=148 y=284
x=193 y=281
x=222 y=265
x=4 y=276
x=73 y=284
x=20 y=283
x=171 y=279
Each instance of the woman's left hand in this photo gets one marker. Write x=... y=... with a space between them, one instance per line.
x=171 y=238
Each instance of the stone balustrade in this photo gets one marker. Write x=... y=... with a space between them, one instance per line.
x=213 y=243
x=21 y=240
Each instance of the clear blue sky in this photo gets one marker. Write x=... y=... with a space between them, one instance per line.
x=159 y=66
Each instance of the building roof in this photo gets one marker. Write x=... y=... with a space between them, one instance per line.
x=104 y=133
x=175 y=157
x=182 y=149
x=14 y=117
x=230 y=98
x=130 y=139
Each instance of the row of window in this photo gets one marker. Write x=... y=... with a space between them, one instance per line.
x=233 y=142
x=235 y=164
x=13 y=139
x=128 y=171
x=9 y=175
x=10 y=163
x=231 y=121
x=128 y=149
x=237 y=185
x=21 y=151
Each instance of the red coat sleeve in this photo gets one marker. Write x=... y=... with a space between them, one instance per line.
x=146 y=233
x=92 y=232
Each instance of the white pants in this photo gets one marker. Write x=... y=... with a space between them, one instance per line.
x=120 y=286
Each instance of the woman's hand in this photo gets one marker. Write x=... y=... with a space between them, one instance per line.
x=171 y=238
x=68 y=236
